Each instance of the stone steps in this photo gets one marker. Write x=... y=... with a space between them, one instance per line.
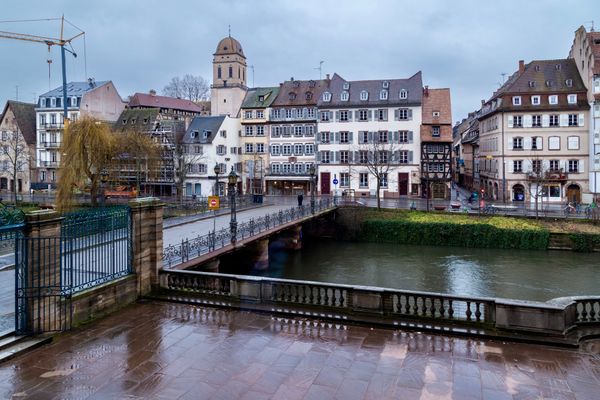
x=12 y=345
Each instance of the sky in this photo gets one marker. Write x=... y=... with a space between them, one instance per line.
x=140 y=45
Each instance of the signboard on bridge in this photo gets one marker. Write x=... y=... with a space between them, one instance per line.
x=213 y=202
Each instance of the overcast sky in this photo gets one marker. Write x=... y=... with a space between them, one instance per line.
x=140 y=44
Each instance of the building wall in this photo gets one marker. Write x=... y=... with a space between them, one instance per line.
x=255 y=161
x=226 y=101
x=103 y=103
x=25 y=160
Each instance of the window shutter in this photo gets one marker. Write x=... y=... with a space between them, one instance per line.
x=318 y=156
x=564 y=120
x=545 y=120
x=581 y=121
x=336 y=156
x=527 y=121
x=356 y=157
x=410 y=113
x=370 y=140
x=350 y=157
x=410 y=136
x=337 y=115
x=581 y=166
x=370 y=115
x=318 y=137
x=510 y=121
x=527 y=166
x=410 y=156
x=350 y=115
x=396 y=156
x=385 y=115
x=396 y=114
x=336 y=137
x=370 y=156
x=527 y=143
x=395 y=137
x=545 y=165
x=357 y=115
x=509 y=166
x=509 y=142
x=563 y=165
x=539 y=143
x=350 y=134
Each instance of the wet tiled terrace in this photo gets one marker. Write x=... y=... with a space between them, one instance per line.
x=176 y=351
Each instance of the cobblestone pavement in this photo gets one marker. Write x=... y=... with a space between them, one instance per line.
x=177 y=351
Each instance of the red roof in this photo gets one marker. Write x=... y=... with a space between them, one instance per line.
x=149 y=100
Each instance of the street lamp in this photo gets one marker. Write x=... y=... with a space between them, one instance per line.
x=232 y=180
x=217 y=170
x=312 y=172
x=103 y=180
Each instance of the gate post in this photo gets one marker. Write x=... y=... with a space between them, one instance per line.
x=147 y=246
x=40 y=307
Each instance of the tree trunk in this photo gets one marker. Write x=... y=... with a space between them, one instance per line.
x=378 y=198
x=94 y=192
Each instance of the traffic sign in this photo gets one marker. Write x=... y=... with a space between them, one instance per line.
x=213 y=202
x=335 y=181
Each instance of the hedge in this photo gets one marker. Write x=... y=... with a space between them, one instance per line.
x=585 y=242
x=448 y=230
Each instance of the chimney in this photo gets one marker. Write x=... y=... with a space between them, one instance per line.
x=292 y=79
x=482 y=102
x=521 y=66
x=152 y=92
x=426 y=91
x=327 y=76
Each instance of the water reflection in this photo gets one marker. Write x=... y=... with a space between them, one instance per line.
x=527 y=275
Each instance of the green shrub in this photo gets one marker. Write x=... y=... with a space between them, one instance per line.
x=585 y=242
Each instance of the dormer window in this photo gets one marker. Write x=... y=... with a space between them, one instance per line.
x=535 y=100
x=403 y=94
x=308 y=95
x=383 y=95
x=386 y=84
x=516 y=100
x=364 y=95
x=435 y=114
x=133 y=120
x=572 y=99
x=145 y=120
x=43 y=102
x=557 y=67
x=531 y=84
x=261 y=98
x=73 y=101
x=124 y=121
x=326 y=96
x=553 y=99
x=537 y=68
x=312 y=84
x=296 y=84
x=344 y=96
x=346 y=86
x=194 y=134
x=52 y=102
x=292 y=96
x=569 y=82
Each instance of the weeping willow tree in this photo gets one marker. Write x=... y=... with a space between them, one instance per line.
x=141 y=153
x=87 y=148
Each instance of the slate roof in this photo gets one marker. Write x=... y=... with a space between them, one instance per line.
x=437 y=100
x=137 y=119
x=203 y=124
x=74 y=89
x=25 y=118
x=153 y=101
x=412 y=85
x=252 y=97
x=557 y=72
x=294 y=93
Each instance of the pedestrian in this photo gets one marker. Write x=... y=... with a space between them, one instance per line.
x=300 y=199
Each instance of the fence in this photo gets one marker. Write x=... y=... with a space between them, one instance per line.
x=193 y=248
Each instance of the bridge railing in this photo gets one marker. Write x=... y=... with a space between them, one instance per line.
x=189 y=249
x=547 y=321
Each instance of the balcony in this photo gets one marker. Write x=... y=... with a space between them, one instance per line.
x=52 y=145
x=49 y=164
x=49 y=127
x=554 y=175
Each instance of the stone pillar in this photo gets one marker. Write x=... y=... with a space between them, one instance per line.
x=292 y=238
x=211 y=266
x=41 y=269
x=147 y=235
x=262 y=254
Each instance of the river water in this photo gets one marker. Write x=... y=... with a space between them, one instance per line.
x=516 y=274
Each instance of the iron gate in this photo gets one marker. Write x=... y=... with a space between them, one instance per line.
x=94 y=247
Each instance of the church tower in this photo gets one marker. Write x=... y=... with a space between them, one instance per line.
x=229 y=78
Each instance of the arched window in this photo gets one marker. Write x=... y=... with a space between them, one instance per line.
x=403 y=94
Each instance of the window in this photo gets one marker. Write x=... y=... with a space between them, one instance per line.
x=344 y=96
x=383 y=157
x=518 y=166
x=386 y=84
x=324 y=116
x=286 y=150
x=536 y=121
x=553 y=99
x=325 y=157
x=308 y=95
x=325 y=137
x=248 y=114
x=382 y=137
x=554 y=143
x=517 y=121
x=298 y=130
x=383 y=180
x=344 y=157
x=517 y=143
x=298 y=168
x=275 y=150
x=382 y=114
x=221 y=150
x=573 y=119
x=403 y=114
x=516 y=100
x=403 y=137
x=249 y=148
x=73 y=101
x=292 y=95
x=275 y=168
x=569 y=82
x=364 y=95
x=536 y=166
x=364 y=137
x=223 y=134
x=326 y=96
x=403 y=94
x=260 y=147
x=346 y=85
x=276 y=131
x=573 y=165
x=536 y=143
x=52 y=119
x=298 y=149
x=52 y=102
x=572 y=99
x=363 y=180
x=260 y=114
x=344 y=179
x=311 y=113
x=435 y=131
x=435 y=114
x=276 y=113
x=344 y=137
x=573 y=143
x=309 y=149
x=288 y=113
x=403 y=157
x=309 y=130
x=260 y=130
x=554 y=120
x=363 y=115
x=286 y=168
x=249 y=130
x=344 y=115
x=535 y=100
x=554 y=165
x=363 y=157
x=198 y=149
x=42 y=119
x=383 y=95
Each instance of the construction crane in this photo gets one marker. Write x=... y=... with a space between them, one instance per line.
x=49 y=41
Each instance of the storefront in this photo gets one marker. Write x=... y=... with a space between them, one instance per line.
x=287 y=186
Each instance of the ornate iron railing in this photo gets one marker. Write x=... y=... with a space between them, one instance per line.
x=189 y=249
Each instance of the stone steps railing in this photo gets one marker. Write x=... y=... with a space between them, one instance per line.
x=554 y=321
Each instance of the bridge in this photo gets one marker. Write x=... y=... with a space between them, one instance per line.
x=205 y=249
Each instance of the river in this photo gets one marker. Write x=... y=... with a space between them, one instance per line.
x=516 y=274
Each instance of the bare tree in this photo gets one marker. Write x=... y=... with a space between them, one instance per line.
x=16 y=153
x=194 y=88
x=538 y=174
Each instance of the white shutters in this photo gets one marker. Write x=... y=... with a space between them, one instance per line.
x=509 y=166
x=581 y=121
x=527 y=121
x=581 y=166
x=509 y=142
x=545 y=121
x=539 y=143
x=597 y=136
x=564 y=120
x=527 y=143
x=527 y=166
x=510 y=121
x=563 y=165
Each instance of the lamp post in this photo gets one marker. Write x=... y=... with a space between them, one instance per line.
x=103 y=180
x=232 y=180
x=312 y=172
x=216 y=170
